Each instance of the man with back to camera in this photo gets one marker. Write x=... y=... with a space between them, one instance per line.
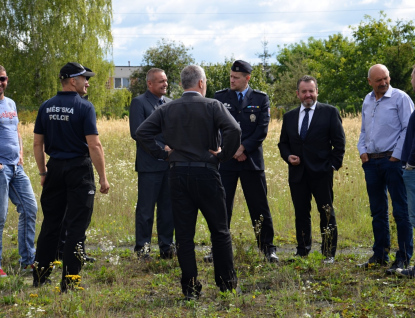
x=250 y=108
x=65 y=129
x=153 y=183
x=385 y=114
x=190 y=126
x=14 y=183
x=312 y=142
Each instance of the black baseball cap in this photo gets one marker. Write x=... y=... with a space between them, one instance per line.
x=241 y=66
x=73 y=69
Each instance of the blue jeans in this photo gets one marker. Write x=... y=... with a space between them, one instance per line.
x=15 y=184
x=409 y=180
x=383 y=175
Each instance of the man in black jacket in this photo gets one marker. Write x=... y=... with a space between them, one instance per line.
x=153 y=185
x=312 y=142
x=250 y=108
x=191 y=127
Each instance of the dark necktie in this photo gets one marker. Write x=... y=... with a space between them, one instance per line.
x=161 y=101
x=304 y=124
x=240 y=98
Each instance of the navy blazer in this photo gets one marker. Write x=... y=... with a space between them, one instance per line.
x=253 y=117
x=323 y=147
x=142 y=107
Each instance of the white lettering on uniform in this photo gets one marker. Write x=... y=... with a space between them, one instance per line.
x=59 y=117
x=55 y=109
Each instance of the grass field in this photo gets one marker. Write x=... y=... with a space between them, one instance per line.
x=118 y=285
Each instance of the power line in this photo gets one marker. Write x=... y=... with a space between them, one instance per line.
x=255 y=13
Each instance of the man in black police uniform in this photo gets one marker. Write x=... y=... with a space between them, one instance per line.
x=66 y=130
x=190 y=126
x=251 y=110
x=62 y=238
x=153 y=182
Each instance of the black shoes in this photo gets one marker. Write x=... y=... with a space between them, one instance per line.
x=145 y=257
x=271 y=257
x=168 y=254
x=89 y=259
x=208 y=258
x=373 y=262
x=409 y=272
x=193 y=292
x=395 y=266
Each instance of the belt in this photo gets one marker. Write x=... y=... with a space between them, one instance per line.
x=194 y=165
x=380 y=155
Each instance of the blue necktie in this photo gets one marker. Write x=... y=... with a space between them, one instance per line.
x=304 y=124
x=161 y=101
x=240 y=98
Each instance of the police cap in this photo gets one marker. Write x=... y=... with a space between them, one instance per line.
x=241 y=66
x=73 y=69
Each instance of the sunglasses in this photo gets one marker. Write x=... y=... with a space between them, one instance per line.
x=3 y=78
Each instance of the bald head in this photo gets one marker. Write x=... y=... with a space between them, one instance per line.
x=378 y=78
x=377 y=67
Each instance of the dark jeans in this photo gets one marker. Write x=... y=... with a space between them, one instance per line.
x=201 y=188
x=321 y=187
x=254 y=186
x=382 y=175
x=153 y=187
x=69 y=187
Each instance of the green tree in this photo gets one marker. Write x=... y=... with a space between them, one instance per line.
x=38 y=37
x=217 y=76
x=168 y=55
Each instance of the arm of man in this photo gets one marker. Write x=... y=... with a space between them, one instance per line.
x=146 y=135
x=40 y=156
x=136 y=116
x=255 y=140
x=405 y=109
x=20 y=163
x=361 y=144
x=97 y=156
x=231 y=132
x=338 y=139
x=284 y=145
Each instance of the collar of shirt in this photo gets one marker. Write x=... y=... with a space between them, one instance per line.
x=387 y=94
x=187 y=92
x=156 y=98
x=302 y=114
x=243 y=92
x=312 y=107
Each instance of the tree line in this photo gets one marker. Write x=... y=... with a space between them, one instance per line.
x=38 y=37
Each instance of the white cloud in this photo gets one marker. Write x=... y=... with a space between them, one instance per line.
x=215 y=31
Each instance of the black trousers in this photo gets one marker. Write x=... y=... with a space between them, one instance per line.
x=153 y=187
x=191 y=189
x=69 y=187
x=321 y=187
x=254 y=186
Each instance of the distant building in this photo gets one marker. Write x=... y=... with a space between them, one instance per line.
x=121 y=76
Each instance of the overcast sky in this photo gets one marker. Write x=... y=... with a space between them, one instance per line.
x=235 y=28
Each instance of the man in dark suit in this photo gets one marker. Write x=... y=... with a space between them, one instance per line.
x=152 y=174
x=250 y=108
x=191 y=127
x=312 y=142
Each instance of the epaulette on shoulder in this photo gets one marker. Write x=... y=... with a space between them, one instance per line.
x=260 y=92
x=222 y=91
